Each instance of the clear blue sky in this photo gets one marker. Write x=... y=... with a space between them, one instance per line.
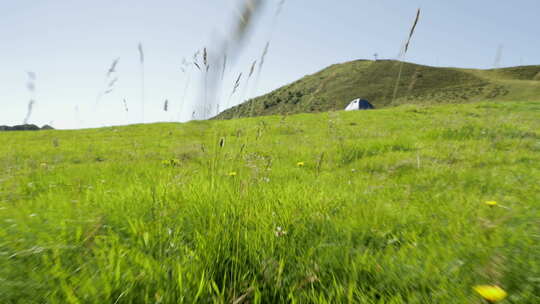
x=70 y=45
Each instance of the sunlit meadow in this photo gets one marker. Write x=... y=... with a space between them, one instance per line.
x=405 y=205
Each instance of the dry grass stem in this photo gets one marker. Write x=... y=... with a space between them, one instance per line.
x=31 y=86
x=404 y=52
x=230 y=45
x=125 y=105
x=141 y=62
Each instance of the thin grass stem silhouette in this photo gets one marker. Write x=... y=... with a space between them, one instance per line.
x=31 y=86
x=141 y=63
x=403 y=53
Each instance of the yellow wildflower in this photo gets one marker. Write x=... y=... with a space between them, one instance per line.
x=300 y=164
x=491 y=293
x=491 y=203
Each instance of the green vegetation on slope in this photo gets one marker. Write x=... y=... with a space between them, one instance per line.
x=334 y=87
x=389 y=207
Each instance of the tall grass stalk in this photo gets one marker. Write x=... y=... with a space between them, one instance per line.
x=498 y=56
x=126 y=109
x=260 y=67
x=109 y=82
x=403 y=53
x=199 y=108
x=230 y=45
x=187 y=78
x=31 y=86
x=266 y=48
x=235 y=88
x=245 y=95
x=224 y=67
x=141 y=64
x=206 y=107
x=220 y=101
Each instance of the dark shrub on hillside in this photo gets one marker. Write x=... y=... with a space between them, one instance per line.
x=26 y=127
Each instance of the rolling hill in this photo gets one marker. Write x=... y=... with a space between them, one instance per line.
x=334 y=87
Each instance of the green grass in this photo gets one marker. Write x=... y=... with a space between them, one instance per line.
x=389 y=208
x=336 y=86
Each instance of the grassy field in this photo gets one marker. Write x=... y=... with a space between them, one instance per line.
x=384 y=206
x=335 y=87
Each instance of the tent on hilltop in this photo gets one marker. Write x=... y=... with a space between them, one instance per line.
x=359 y=104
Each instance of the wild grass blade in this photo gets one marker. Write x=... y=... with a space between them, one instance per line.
x=235 y=88
x=279 y=9
x=403 y=53
x=230 y=45
x=141 y=64
x=31 y=86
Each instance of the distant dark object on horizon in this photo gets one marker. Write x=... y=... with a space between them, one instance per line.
x=47 y=127
x=359 y=104
x=26 y=127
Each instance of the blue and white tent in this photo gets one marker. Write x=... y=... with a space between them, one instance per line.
x=359 y=104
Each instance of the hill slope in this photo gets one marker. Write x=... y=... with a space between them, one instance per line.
x=334 y=87
x=387 y=206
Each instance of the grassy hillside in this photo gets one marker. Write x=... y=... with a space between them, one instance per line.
x=382 y=206
x=334 y=87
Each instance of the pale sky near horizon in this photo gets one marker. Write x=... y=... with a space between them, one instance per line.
x=71 y=44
